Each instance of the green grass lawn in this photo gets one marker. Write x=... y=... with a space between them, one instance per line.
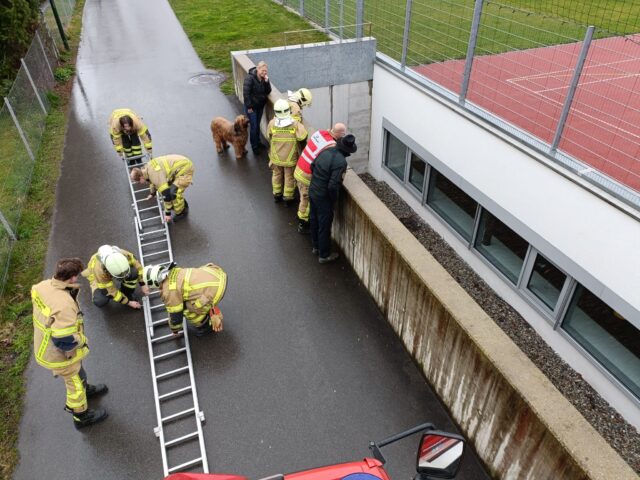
x=28 y=255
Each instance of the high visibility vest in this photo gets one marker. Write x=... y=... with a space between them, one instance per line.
x=56 y=315
x=99 y=277
x=162 y=171
x=316 y=143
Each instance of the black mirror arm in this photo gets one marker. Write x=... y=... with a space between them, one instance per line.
x=375 y=447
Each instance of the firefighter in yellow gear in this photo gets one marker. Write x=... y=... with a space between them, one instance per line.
x=191 y=293
x=297 y=101
x=170 y=176
x=59 y=343
x=284 y=134
x=109 y=263
x=127 y=130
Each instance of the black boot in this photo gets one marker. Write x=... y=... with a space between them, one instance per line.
x=277 y=198
x=289 y=202
x=203 y=329
x=303 y=227
x=84 y=419
x=96 y=390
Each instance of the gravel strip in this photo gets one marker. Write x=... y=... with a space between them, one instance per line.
x=622 y=436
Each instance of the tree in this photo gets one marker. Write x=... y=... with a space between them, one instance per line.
x=18 y=21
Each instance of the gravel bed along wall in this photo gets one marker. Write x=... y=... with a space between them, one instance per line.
x=622 y=436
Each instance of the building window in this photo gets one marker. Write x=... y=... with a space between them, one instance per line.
x=417 y=170
x=546 y=281
x=454 y=206
x=606 y=335
x=504 y=248
x=396 y=156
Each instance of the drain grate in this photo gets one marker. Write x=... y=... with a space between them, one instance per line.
x=207 y=78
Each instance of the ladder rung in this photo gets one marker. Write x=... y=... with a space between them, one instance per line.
x=181 y=414
x=150 y=218
x=175 y=393
x=154 y=231
x=155 y=292
x=172 y=353
x=164 y=263
x=153 y=243
x=160 y=322
x=157 y=306
x=142 y=190
x=171 y=373
x=190 y=463
x=165 y=337
x=146 y=209
x=184 y=438
x=154 y=253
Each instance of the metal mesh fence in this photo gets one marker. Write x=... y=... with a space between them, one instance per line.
x=517 y=63
x=22 y=121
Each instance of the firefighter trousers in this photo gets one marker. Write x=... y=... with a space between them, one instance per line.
x=283 y=182
x=75 y=381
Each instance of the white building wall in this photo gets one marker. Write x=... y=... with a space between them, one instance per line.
x=592 y=240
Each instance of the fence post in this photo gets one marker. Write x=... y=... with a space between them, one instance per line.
x=471 y=49
x=33 y=85
x=59 y=23
x=359 y=18
x=327 y=10
x=405 y=35
x=44 y=52
x=7 y=227
x=22 y=136
x=302 y=8
x=572 y=88
x=341 y=19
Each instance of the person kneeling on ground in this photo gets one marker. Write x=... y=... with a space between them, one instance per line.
x=191 y=293
x=109 y=263
x=170 y=176
x=327 y=174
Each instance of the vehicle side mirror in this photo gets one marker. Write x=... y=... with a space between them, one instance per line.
x=439 y=454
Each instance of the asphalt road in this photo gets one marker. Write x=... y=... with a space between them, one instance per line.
x=306 y=372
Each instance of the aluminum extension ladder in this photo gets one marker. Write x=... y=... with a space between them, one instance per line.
x=174 y=388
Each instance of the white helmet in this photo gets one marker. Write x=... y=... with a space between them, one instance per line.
x=302 y=96
x=282 y=109
x=114 y=261
x=154 y=275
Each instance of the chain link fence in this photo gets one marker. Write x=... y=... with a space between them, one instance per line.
x=534 y=69
x=22 y=121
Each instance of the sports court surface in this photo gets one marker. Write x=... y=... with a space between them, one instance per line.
x=528 y=88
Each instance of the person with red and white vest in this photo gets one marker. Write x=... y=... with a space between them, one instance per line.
x=316 y=143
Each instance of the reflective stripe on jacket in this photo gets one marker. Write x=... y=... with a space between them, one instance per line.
x=115 y=130
x=99 y=277
x=284 y=142
x=195 y=287
x=316 y=143
x=163 y=171
x=56 y=314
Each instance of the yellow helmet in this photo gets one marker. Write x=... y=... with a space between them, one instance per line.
x=282 y=109
x=303 y=97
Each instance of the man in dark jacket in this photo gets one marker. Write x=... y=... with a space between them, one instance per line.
x=327 y=173
x=255 y=91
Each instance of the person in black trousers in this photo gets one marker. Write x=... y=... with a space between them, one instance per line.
x=327 y=173
x=256 y=90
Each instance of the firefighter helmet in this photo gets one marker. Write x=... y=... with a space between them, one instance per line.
x=282 y=109
x=303 y=97
x=114 y=261
x=154 y=275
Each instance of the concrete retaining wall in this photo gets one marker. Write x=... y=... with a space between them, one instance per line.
x=332 y=102
x=521 y=426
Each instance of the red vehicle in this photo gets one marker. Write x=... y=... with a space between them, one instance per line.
x=439 y=456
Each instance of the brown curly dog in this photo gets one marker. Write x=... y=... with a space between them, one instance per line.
x=236 y=133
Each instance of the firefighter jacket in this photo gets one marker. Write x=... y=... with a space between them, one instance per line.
x=316 y=143
x=139 y=128
x=58 y=330
x=284 y=143
x=195 y=290
x=163 y=172
x=100 y=278
x=296 y=110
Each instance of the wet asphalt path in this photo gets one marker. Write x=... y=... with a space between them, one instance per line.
x=306 y=371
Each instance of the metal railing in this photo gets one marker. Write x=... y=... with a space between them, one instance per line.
x=22 y=121
x=539 y=72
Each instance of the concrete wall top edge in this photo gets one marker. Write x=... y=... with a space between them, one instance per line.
x=565 y=423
